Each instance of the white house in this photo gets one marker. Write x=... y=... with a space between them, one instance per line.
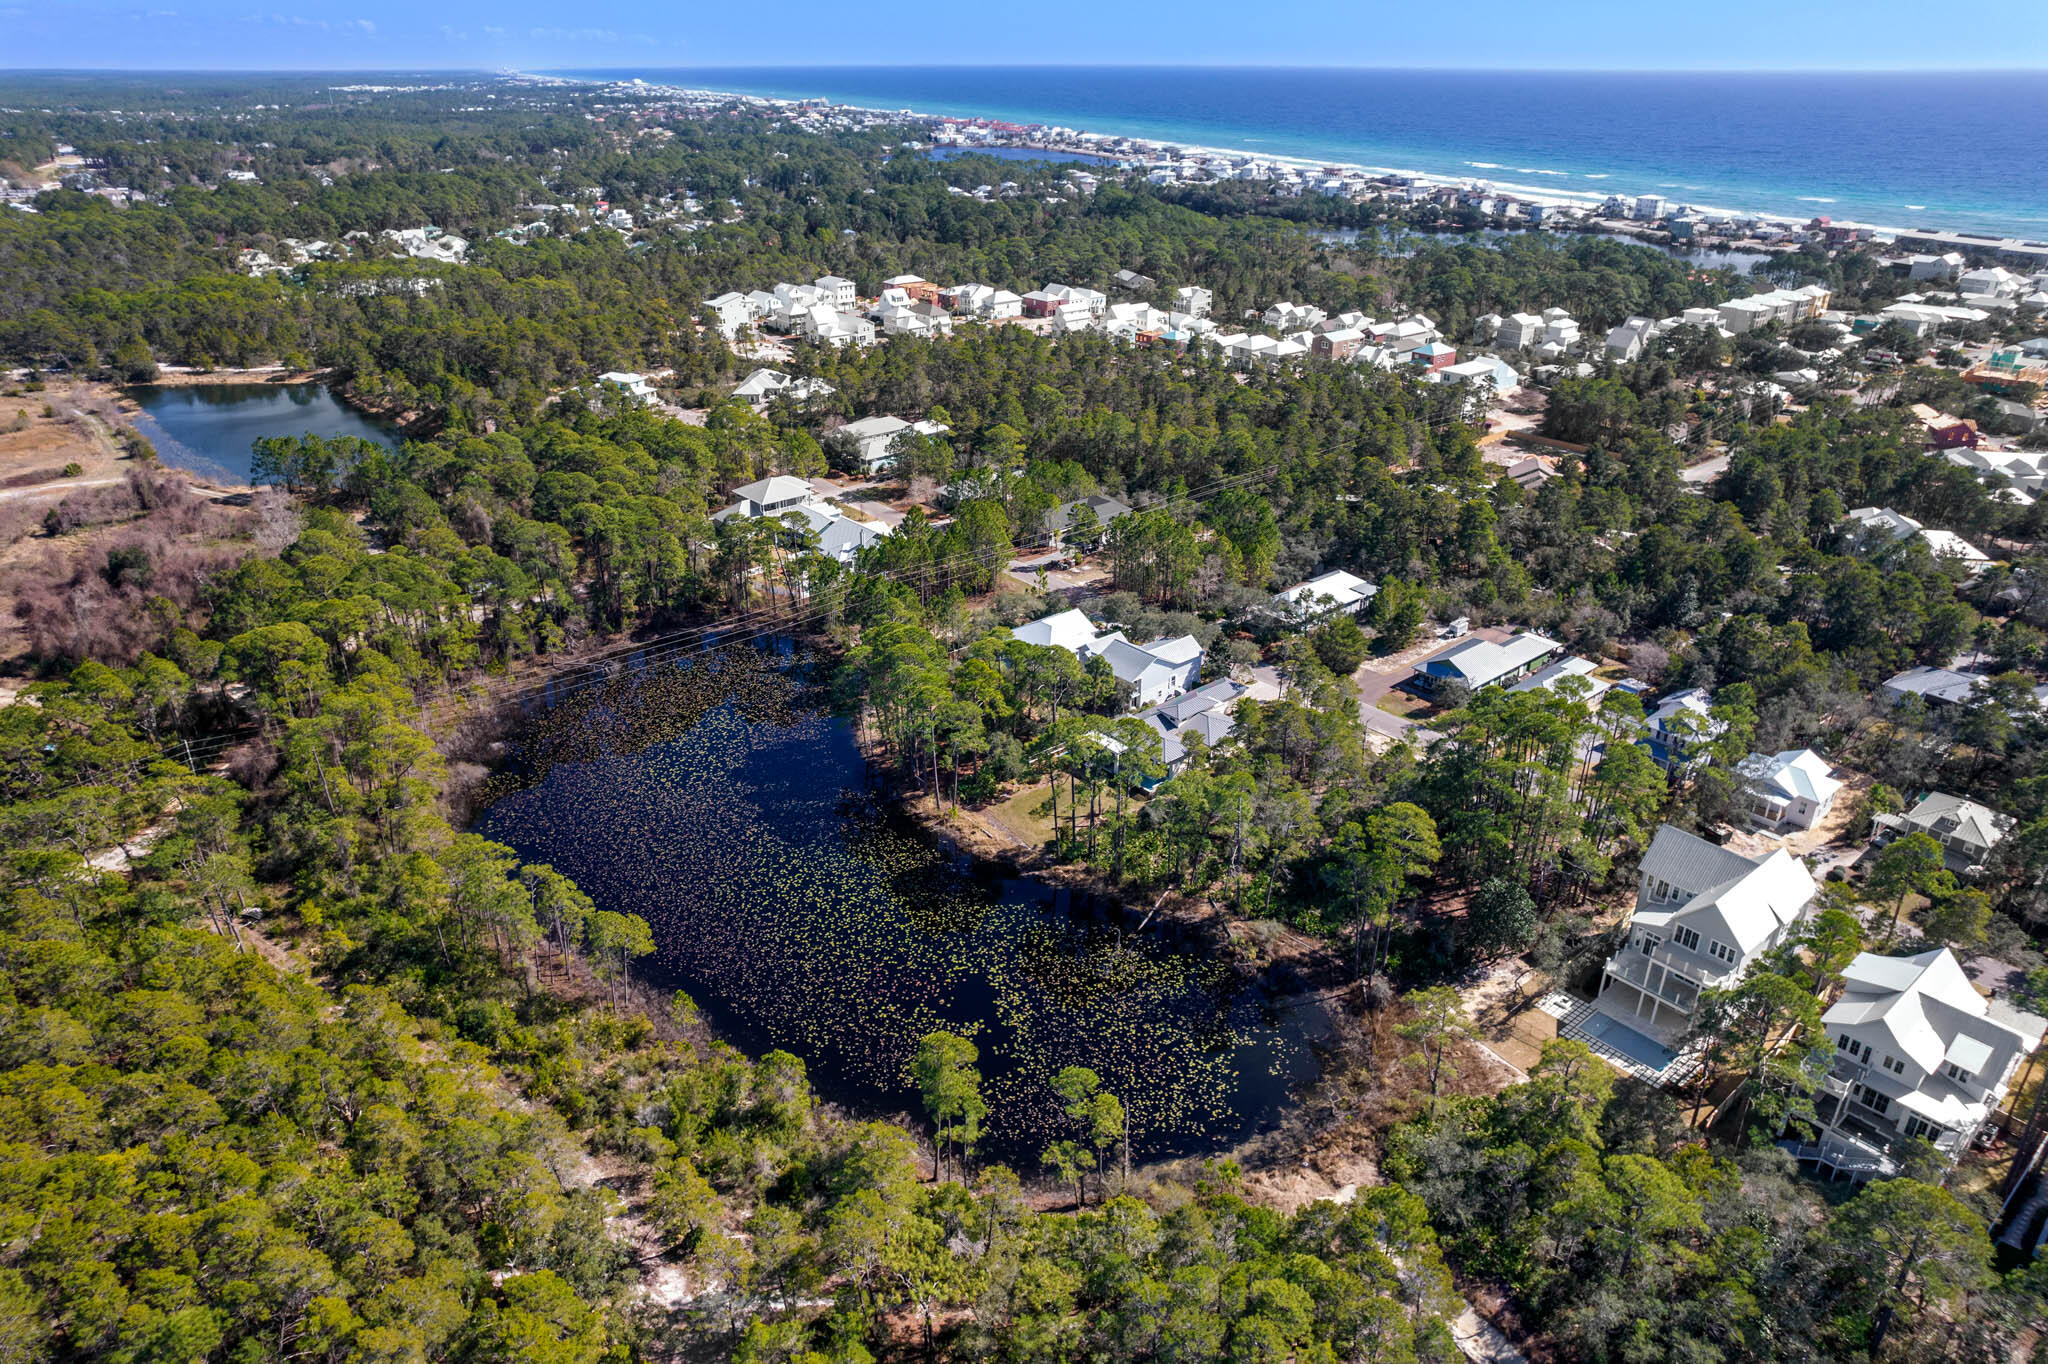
x=1323 y=595
x=1156 y=671
x=634 y=386
x=1992 y=282
x=1152 y=672
x=767 y=497
x=1193 y=300
x=1547 y=678
x=1874 y=529
x=1489 y=372
x=1703 y=914
x=1792 y=789
x=838 y=291
x=1519 y=331
x=764 y=385
x=1918 y=1054
x=731 y=311
x=781 y=496
x=872 y=440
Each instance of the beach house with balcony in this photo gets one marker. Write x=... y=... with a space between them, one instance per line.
x=1703 y=914
x=1918 y=1054
x=1792 y=789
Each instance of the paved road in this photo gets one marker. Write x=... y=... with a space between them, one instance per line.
x=1699 y=475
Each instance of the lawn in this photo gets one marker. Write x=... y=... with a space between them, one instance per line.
x=1016 y=815
x=1399 y=702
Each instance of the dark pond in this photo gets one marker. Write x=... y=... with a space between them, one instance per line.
x=209 y=428
x=724 y=806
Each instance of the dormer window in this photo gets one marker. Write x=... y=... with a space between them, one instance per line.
x=1956 y=1072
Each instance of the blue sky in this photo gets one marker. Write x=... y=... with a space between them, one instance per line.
x=1567 y=34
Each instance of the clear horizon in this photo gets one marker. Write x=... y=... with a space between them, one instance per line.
x=1504 y=35
x=488 y=69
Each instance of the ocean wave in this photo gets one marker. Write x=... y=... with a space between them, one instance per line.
x=1538 y=170
x=1819 y=199
x=1486 y=165
x=1917 y=208
x=1600 y=176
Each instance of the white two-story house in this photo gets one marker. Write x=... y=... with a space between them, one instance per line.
x=1918 y=1053
x=1703 y=914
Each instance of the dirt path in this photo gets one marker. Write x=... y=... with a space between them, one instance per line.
x=59 y=488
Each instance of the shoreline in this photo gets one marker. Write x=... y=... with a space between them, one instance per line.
x=1031 y=136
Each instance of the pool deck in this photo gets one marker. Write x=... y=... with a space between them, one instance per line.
x=1627 y=1050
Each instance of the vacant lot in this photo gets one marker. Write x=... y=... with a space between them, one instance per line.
x=41 y=434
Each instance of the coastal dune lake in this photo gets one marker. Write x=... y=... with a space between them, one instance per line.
x=723 y=804
x=209 y=428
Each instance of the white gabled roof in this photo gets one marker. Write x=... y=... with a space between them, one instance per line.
x=780 y=488
x=1549 y=675
x=1070 y=630
x=1794 y=773
x=1932 y=1012
x=1948 y=544
x=1753 y=897
x=761 y=383
x=1182 y=649
x=867 y=428
x=1343 y=588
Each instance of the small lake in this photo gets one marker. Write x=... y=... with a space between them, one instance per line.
x=210 y=428
x=725 y=806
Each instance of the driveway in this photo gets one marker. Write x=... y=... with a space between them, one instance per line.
x=1700 y=475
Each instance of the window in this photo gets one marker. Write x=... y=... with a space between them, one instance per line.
x=1874 y=1101
x=1717 y=948
x=1648 y=943
x=1894 y=1065
x=1851 y=1048
x=1917 y=1126
x=1956 y=1072
x=1687 y=938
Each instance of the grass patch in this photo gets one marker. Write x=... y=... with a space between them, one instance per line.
x=1017 y=814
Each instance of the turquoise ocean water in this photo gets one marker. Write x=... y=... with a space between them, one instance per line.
x=1962 y=150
